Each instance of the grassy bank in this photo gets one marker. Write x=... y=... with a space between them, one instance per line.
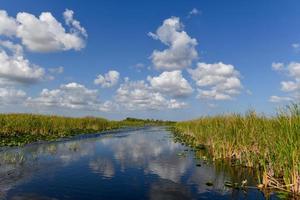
x=20 y=129
x=270 y=144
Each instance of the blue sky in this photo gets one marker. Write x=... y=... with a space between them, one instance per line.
x=162 y=59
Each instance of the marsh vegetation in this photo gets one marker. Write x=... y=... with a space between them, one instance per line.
x=271 y=145
x=20 y=129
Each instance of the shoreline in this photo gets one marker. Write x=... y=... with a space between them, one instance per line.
x=21 y=129
x=77 y=137
x=267 y=144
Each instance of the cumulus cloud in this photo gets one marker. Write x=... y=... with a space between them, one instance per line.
x=131 y=95
x=174 y=104
x=213 y=94
x=294 y=70
x=172 y=83
x=15 y=68
x=138 y=95
x=181 y=47
x=216 y=81
x=71 y=95
x=44 y=33
x=40 y=34
x=291 y=86
x=108 y=80
x=73 y=23
x=277 y=66
x=8 y=25
x=11 y=96
x=108 y=106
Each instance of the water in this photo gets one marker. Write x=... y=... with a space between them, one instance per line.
x=136 y=164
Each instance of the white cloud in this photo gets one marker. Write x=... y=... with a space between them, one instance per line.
x=174 y=104
x=216 y=81
x=291 y=86
x=108 y=106
x=212 y=94
x=181 y=47
x=11 y=96
x=172 y=83
x=15 y=68
x=110 y=79
x=137 y=95
x=8 y=25
x=294 y=70
x=72 y=95
x=278 y=99
x=277 y=66
x=73 y=23
x=44 y=33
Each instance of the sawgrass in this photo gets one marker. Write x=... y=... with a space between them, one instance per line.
x=20 y=129
x=269 y=144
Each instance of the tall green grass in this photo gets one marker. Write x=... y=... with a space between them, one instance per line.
x=19 y=129
x=270 y=144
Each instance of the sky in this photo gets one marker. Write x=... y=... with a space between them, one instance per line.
x=171 y=59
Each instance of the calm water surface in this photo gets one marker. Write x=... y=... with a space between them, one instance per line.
x=132 y=164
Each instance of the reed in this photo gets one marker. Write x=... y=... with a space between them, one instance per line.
x=269 y=144
x=20 y=129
